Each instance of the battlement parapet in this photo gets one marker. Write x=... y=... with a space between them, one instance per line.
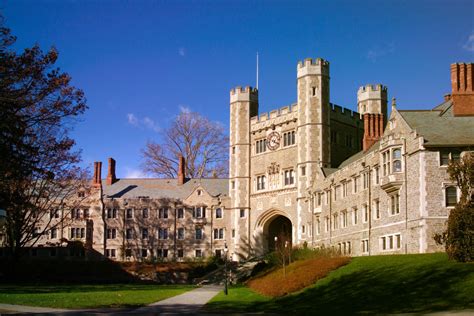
x=310 y=66
x=243 y=94
x=370 y=91
x=277 y=116
x=341 y=111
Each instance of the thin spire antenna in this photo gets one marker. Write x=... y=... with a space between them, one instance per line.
x=257 y=72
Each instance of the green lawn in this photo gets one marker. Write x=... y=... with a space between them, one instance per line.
x=369 y=285
x=88 y=296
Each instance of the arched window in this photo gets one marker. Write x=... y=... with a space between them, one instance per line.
x=451 y=195
x=396 y=158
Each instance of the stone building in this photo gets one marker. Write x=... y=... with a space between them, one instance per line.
x=314 y=173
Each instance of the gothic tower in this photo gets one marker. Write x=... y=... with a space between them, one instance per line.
x=313 y=131
x=243 y=106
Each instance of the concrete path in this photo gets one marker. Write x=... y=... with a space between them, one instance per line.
x=187 y=303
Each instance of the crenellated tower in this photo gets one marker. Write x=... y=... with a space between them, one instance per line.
x=372 y=106
x=243 y=106
x=313 y=130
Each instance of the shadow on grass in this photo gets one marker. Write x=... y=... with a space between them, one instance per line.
x=405 y=286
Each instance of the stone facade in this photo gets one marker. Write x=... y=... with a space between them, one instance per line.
x=309 y=173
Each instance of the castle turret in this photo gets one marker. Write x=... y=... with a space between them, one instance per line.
x=313 y=131
x=372 y=106
x=243 y=106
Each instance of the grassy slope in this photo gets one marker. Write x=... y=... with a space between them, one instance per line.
x=379 y=284
x=88 y=296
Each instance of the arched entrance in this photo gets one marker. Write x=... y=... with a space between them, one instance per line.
x=270 y=224
x=279 y=227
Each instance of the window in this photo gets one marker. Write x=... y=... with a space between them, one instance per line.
x=451 y=196
x=232 y=184
x=218 y=212
x=327 y=197
x=233 y=233
x=391 y=242
x=396 y=158
x=303 y=229
x=337 y=192
x=111 y=233
x=111 y=213
x=303 y=171
x=162 y=253
x=128 y=252
x=335 y=218
x=219 y=233
x=181 y=233
x=54 y=233
x=395 y=204
x=377 y=175
x=198 y=234
x=200 y=212
x=344 y=218
x=288 y=138
x=355 y=217
x=365 y=210
x=198 y=253
x=75 y=213
x=218 y=253
x=261 y=180
x=242 y=213
x=320 y=199
x=86 y=213
x=318 y=226
x=199 y=192
x=365 y=176
x=355 y=181
x=110 y=253
x=180 y=253
x=163 y=213
x=129 y=213
x=81 y=194
x=145 y=213
x=55 y=213
x=162 y=233
x=261 y=146
x=448 y=154
x=344 y=189
x=180 y=212
x=144 y=253
x=365 y=246
x=144 y=233
x=289 y=177
x=377 y=209
x=129 y=233
x=386 y=162
x=233 y=150
x=326 y=223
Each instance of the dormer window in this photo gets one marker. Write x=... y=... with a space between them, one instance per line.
x=199 y=192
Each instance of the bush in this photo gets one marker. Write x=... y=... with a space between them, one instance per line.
x=460 y=233
x=299 y=275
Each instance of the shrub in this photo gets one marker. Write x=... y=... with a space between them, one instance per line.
x=460 y=233
x=299 y=275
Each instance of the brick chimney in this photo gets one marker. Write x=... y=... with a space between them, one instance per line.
x=97 y=180
x=373 y=129
x=111 y=178
x=462 y=90
x=181 y=170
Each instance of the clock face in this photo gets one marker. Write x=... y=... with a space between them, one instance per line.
x=273 y=141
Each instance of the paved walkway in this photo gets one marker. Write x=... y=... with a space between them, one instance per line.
x=187 y=303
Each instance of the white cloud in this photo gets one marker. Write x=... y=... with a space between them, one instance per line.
x=132 y=119
x=181 y=51
x=469 y=46
x=145 y=122
x=184 y=109
x=379 y=51
x=134 y=173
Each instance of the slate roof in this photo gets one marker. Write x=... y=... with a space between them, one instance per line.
x=439 y=127
x=163 y=188
x=358 y=155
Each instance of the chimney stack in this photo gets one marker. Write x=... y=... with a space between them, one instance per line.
x=97 y=180
x=111 y=178
x=372 y=106
x=462 y=90
x=181 y=170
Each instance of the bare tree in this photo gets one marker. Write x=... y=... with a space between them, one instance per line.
x=38 y=168
x=202 y=142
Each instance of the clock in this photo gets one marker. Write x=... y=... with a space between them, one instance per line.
x=273 y=141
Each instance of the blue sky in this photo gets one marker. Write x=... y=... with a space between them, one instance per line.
x=141 y=62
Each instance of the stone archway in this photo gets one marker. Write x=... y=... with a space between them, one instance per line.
x=273 y=223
